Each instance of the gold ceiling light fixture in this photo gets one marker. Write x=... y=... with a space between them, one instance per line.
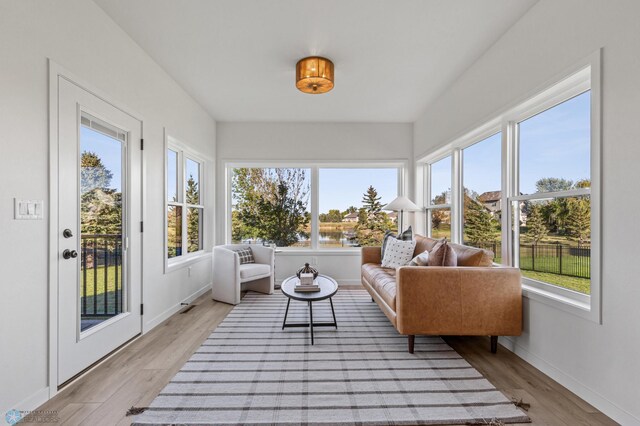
x=314 y=75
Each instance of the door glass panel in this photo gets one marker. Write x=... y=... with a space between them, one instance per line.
x=101 y=218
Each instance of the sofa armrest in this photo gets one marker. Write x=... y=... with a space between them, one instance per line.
x=459 y=300
x=371 y=255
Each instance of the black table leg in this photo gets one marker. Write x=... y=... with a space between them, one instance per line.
x=286 y=313
x=333 y=313
x=311 y=320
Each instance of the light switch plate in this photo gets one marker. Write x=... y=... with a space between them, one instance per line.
x=28 y=209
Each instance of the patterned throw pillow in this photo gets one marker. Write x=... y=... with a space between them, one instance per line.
x=420 y=260
x=404 y=236
x=398 y=253
x=442 y=254
x=246 y=255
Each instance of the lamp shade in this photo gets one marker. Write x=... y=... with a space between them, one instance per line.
x=314 y=75
x=401 y=204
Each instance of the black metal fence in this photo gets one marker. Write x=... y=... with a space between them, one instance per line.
x=101 y=275
x=574 y=261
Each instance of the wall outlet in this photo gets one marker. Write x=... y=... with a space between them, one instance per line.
x=189 y=271
x=314 y=261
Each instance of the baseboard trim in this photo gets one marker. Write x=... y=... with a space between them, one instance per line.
x=607 y=407
x=159 y=319
x=30 y=403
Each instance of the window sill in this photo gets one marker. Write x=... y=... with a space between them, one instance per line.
x=183 y=261
x=564 y=302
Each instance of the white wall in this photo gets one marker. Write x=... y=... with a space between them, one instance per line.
x=250 y=141
x=79 y=36
x=598 y=362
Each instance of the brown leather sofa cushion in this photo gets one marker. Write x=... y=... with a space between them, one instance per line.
x=422 y=244
x=467 y=256
x=383 y=281
x=472 y=256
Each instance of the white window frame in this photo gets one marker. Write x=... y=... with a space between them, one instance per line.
x=583 y=76
x=184 y=153
x=314 y=167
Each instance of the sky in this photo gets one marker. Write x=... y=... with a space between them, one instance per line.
x=342 y=188
x=555 y=143
x=108 y=149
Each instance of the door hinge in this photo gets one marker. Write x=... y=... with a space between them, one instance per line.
x=141 y=226
x=141 y=144
x=142 y=309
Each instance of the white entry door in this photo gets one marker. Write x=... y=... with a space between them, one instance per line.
x=99 y=235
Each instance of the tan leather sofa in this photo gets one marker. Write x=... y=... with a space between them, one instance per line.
x=471 y=299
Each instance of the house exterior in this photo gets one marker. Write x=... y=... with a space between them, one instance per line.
x=350 y=218
x=492 y=201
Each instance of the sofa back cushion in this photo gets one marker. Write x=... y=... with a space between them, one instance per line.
x=472 y=256
x=422 y=244
x=467 y=256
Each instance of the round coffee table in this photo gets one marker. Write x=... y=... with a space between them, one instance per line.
x=328 y=287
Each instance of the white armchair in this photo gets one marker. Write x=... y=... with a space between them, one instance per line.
x=230 y=277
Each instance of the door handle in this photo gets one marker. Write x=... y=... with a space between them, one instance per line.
x=68 y=254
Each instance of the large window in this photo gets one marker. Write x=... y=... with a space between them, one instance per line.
x=439 y=199
x=313 y=207
x=185 y=204
x=526 y=186
x=552 y=236
x=271 y=205
x=482 y=194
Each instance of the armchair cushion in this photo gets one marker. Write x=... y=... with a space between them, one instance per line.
x=246 y=255
x=250 y=271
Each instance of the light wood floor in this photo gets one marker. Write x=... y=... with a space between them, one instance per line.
x=136 y=374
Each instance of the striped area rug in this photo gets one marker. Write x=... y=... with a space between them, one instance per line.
x=251 y=372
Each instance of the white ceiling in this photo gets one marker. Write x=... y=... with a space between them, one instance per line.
x=392 y=58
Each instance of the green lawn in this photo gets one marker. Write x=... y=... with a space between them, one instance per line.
x=100 y=270
x=582 y=285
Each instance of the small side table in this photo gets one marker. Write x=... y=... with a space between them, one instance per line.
x=328 y=288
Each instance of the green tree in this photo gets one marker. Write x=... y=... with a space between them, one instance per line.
x=252 y=187
x=536 y=227
x=349 y=210
x=93 y=174
x=479 y=225
x=579 y=219
x=552 y=184
x=194 y=242
x=371 y=201
x=100 y=205
x=333 y=216
x=280 y=220
x=372 y=221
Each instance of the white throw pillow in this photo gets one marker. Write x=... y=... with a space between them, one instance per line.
x=420 y=260
x=397 y=253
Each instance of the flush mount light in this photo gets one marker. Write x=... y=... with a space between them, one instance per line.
x=314 y=75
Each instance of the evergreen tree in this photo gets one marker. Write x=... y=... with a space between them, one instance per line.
x=536 y=227
x=579 y=219
x=93 y=174
x=100 y=205
x=479 y=225
x=371 y=201
x=193 y=216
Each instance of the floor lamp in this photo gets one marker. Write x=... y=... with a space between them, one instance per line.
x=401 y=204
